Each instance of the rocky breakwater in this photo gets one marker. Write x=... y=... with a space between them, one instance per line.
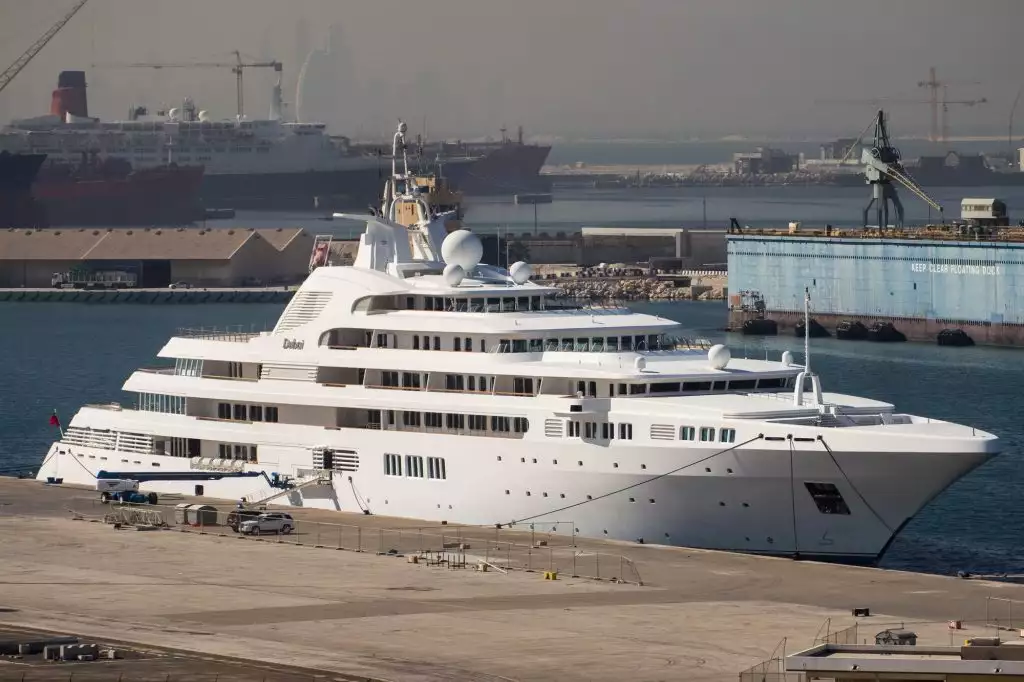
x=648 y=288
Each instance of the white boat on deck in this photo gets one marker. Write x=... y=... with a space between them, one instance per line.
x=420 y=382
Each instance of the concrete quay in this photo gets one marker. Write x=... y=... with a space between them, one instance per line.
x=699 y=615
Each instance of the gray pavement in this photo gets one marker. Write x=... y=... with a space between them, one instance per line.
x=699 y=615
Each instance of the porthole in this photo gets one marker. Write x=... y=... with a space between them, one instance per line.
x=580 y=463
x=651 y=500
x=707 y=469
x=745 y=504
x=632 y=499
x=590 y=497
x=728 y=471
x=527 y=493
x=562 y=495
x=615 y=465
x=720 y=504
x=507 y=492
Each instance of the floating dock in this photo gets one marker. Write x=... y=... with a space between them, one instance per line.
x=922 y=281
x=149 y=296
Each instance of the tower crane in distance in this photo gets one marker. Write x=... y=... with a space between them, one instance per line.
x=237 y=67
x=21 y=62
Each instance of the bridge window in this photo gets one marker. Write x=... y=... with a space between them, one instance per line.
x=727 y=435
x=742 y=385
x=687 y=433
x=625 y=431
x=477 y=422
x=707 y=434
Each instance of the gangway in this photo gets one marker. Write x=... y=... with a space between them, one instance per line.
x=319 y=478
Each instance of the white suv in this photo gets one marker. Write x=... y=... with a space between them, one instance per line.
x=267 y=523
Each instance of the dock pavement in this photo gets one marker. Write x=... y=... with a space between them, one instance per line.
x=299 y=601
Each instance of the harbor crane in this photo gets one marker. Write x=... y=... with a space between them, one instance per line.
x=883 y=165
x=237 y=67
x=939 y=123
x=21 y=62
x=935 y=86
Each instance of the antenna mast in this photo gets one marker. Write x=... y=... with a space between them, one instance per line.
x=807 y=331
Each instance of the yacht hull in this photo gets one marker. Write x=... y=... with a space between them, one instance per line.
x=753 y=499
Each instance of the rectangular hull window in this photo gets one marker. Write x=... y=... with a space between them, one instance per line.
x=827 y=497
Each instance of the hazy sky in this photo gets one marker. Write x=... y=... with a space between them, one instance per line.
x=570 y=68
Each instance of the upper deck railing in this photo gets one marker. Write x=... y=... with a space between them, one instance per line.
x=236 y=333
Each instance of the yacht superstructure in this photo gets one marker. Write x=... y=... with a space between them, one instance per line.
x=422 y=383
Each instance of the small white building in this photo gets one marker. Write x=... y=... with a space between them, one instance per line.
x=990 y=212
x=1020 y=159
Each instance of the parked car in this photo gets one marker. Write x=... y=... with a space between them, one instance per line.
x=237 y=516
x=179 y=285
x=273 y=522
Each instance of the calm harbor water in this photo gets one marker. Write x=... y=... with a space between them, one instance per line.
x=59 y=356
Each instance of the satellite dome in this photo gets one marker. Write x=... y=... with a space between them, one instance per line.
x=719 y=356
x=453 y=274
x=462 y=248
x=174 y=113
x=640 y=364
x=403 y=127
x=204 y=115
x=787 y=359
x=520 y=272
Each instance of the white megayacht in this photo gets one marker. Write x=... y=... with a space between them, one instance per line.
x=421 y=383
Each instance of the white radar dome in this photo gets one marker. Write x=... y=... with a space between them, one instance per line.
x=462 y=248
x=640 y=364
x=719 y=356
x=787 y=359
x=453 y=274
x=204 y=115
x=174 y=113
x=520 y=272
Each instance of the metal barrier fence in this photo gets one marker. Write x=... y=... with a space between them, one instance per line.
x=1004 y=614
x=539 y=548
x=772 y=670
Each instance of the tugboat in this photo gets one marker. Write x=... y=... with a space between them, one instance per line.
x=954 y=337
x=760 y=326
x=885 y=332
x=813 y=329
x=851 y=330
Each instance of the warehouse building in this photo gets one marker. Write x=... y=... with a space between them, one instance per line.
x=158 y=257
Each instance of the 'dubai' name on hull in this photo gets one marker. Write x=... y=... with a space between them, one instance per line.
x=292 y=344
x=950 y=269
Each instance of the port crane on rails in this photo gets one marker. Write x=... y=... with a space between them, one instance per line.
x=237 y=67
x=883 y=166
x=22 y=61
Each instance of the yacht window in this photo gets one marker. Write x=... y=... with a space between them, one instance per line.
x=493 y=305
x=382 y=340
x=508 y=305
x=224 y=410
x=461 y=304
x=522 y=385
x=519 y=346
x=432 y=420
x=410 y=303
x=592 y=389
x=411 y=418
x=477 y=422
x=428 y=303
x=574 y=429
x=697 y=386
x=457 y=343
x=581 y=388
x=239 y=412
x=707 y=434
x=476 y=305
x=652 y=342
x=779 y=382
x=613 y=344
x=627 y=343
x=410 y=379
x=597 y=344
x=414 y=466
x=471 y=383
x=535 y=302
x=637 y=389
x=455 y=421
x=607 y=431
x=589 y=430
x=727 y=435
x=827 y=498
x=523 y=303
x=623 y=389
x=567 y=344
x=437 y=343
x=392 y=465
x=415 y=342
x=390 y=414
x=520 y=424
x=389 y=379
x=667 y=387
x=687 y=433
x=625 y=431
x=256 y=413
x=536 y=345
x=640 y=343
x=449 y=304
x=500 y=424
x=369 y=339
x=454 y=382
x=483 y=345
x=270 y=414
x=504 y=346
x=469 y=345
x=742 y=385
x=373 y=418
x=718 y=386
x=550 y=344
x=582 y=344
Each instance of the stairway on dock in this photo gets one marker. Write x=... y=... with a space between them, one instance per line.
x=266 y=495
